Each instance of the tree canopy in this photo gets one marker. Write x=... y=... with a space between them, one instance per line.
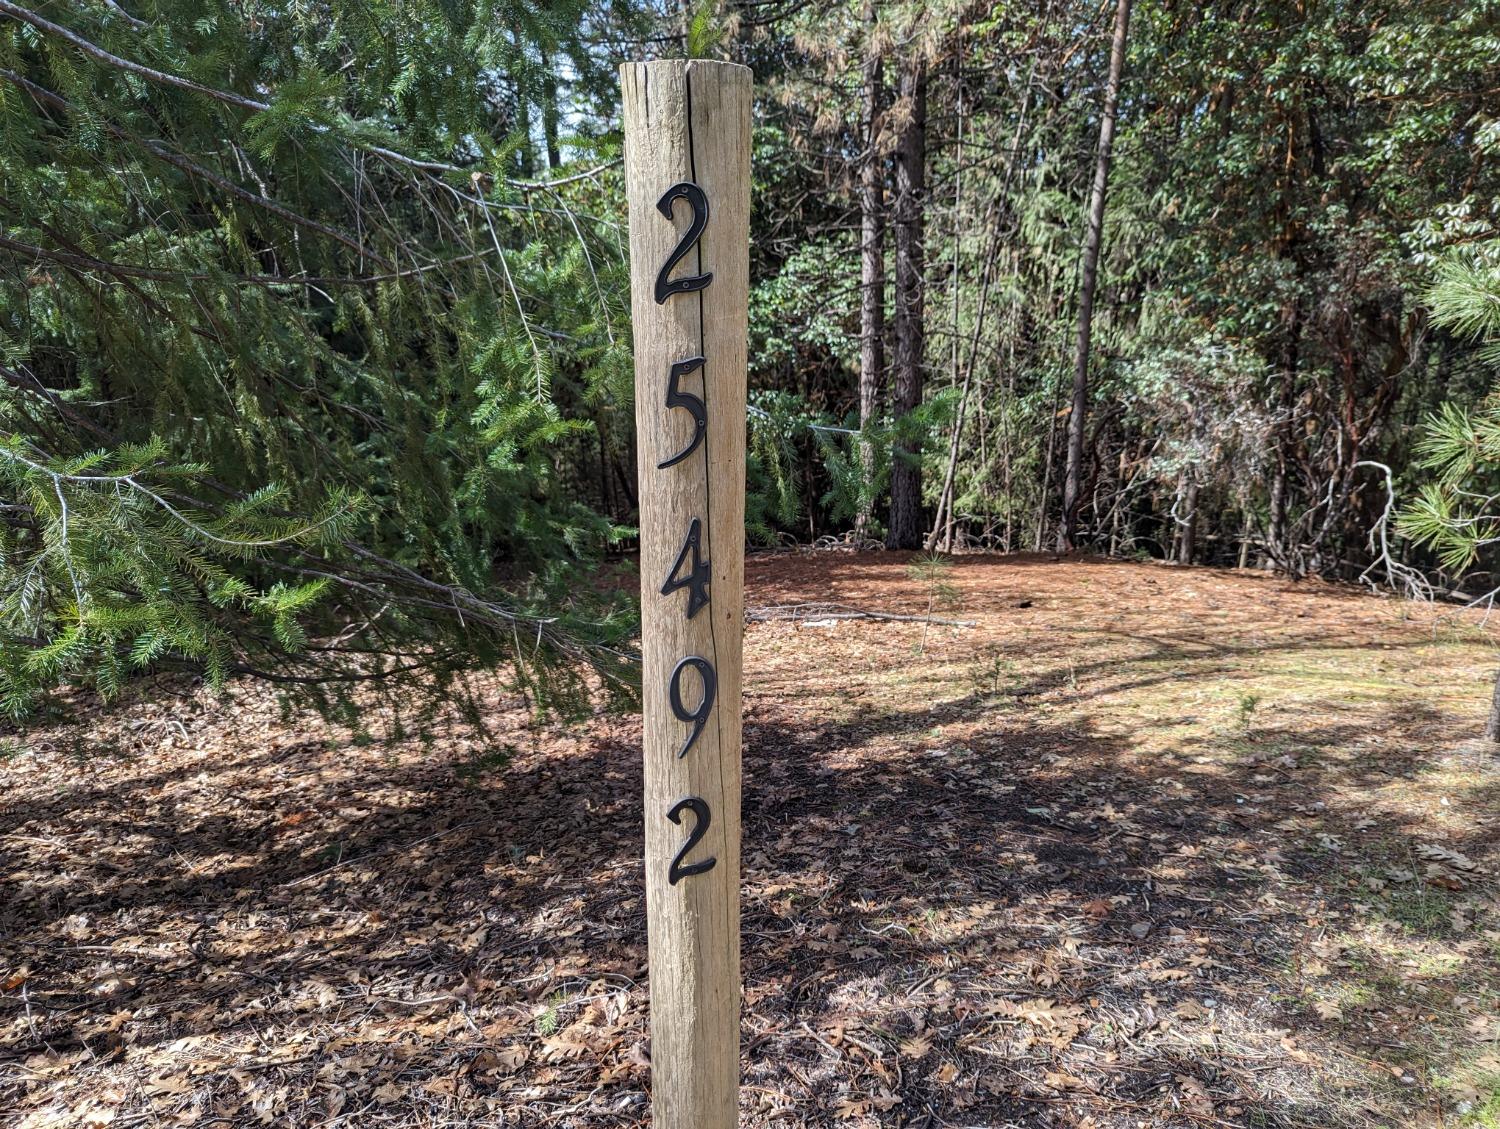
x=315 y=346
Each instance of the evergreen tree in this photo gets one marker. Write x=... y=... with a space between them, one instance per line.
x=1458 y=512
x=297 y=363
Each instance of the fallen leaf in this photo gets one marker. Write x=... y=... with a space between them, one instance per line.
x=916 y=1047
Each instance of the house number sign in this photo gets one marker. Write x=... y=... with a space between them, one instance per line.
x=699 y=575
x=687 y=176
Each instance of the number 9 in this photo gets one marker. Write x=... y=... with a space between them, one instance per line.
x=699 y=716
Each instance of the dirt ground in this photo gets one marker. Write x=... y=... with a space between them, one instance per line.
x=1143 y=846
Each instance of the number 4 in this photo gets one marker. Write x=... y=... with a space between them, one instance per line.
x=697 y=579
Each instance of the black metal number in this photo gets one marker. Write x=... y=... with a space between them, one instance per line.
x=677 y=872
x=698 y=717
x=676 y=398
x=696 y=581
x=683 y=190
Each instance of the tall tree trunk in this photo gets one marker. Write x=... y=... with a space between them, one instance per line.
x=1093 y=236
x=1187 y=533
x=942 y=524
x=911 y=170
x=871 y=270
x=550 y=115
x=1492 y=726
x=1277 y=546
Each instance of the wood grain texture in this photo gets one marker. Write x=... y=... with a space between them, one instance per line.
x=690 y=121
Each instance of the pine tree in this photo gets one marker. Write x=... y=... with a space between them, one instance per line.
x=1458 y=512
x=296 y=363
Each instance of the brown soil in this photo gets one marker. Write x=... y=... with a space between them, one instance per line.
x=1143 y=846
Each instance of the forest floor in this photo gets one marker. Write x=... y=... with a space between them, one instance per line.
x=1144 y=846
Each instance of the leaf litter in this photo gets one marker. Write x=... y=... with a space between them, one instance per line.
x=1127 y=845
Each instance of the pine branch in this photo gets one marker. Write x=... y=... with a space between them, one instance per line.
x=240 y=101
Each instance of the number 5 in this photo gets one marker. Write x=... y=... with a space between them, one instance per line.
x=676 y=398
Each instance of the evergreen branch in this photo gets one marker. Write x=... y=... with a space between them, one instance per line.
x=93 y=50
x=240 y=101
x=158 y=274
x=117 y=480
x=42 y=94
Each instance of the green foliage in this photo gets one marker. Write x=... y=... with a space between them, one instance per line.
x=858 y=465
x=1465 y=298
x=706 y=30
x=296 y=381
x=932 y=571
x=108 y=575
x=1456 y=514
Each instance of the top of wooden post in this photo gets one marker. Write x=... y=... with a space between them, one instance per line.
x=716 y=67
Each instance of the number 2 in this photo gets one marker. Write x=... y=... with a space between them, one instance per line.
x=683 y=190
x=677 y=872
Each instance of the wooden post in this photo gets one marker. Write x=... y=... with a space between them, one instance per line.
x=687 y=175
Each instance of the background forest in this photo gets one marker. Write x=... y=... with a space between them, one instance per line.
x=316 y=356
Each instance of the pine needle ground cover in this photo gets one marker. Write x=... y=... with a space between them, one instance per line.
x=1142 y=846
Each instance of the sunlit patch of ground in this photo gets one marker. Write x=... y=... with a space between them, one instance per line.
x=1141 y=846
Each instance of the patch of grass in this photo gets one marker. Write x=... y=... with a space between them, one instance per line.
x=1475 y=1095
x=1486 y=1113
x=1421 y=909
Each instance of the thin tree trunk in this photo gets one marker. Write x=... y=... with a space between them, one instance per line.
x=1187 y=541
x=942 y=526
x=871 y=273
x=1277 y=546
x=1121 y=485
x=1492 y=726
x=942 y=523
x=550 y=115
x=1041 y=502
x=1093 y=237
x=911 y=168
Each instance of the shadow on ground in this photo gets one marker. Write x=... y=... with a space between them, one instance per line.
x=991 y=878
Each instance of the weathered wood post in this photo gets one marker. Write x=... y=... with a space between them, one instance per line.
x=687 y=174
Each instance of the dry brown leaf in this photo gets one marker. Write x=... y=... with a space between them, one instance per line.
x=916 y=1047
x=1060 y=1080
x=1484 y=1027
x=1195 y=1095
x=1448 y=857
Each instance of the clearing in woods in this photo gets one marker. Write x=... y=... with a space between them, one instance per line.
x=1143 y=846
